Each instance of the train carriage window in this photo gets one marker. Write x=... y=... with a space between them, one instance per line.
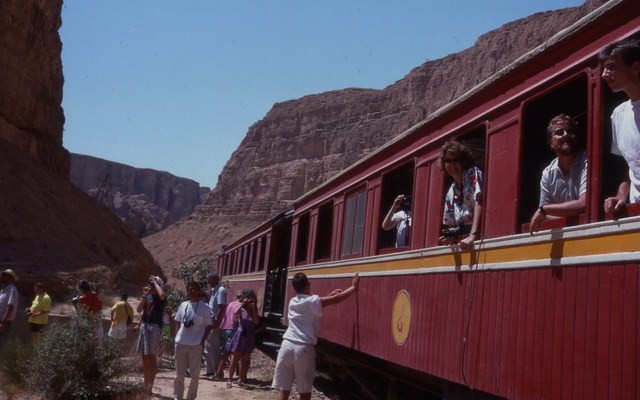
x=324 y=232
x=263 y=252
x=571 y=98
x=303 y=238
x=254 y=256
x=353 y=226
x=457 y=215
x=395 y=214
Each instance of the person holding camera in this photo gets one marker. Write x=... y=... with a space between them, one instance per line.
x=38 y=313
x=244 y=339
x=399 y=217
x=463 y=201
x=194 y=317
x=152 y=308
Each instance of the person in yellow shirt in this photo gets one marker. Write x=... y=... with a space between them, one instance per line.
x=39 y=312
x=120 y=313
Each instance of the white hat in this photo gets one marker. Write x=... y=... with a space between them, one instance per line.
x=10 y=273
x=159 y=281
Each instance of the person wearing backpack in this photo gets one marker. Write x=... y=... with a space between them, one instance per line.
x=121 y=317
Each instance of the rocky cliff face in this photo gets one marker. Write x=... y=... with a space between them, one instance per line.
x=301 y=143
x=49 y=230
x=31 y=80
x=145 y=199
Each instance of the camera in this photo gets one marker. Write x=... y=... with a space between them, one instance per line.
x=406 y=201
x=187 y=323
x=456 y=231
x=74 y=300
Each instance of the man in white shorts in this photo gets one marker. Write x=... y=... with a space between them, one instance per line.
x=297 y=355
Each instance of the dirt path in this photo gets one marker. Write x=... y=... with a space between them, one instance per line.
x=258 y=384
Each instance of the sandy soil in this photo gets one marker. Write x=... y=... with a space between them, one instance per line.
x=258 y=384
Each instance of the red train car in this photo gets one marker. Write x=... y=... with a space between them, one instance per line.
x=547 y=316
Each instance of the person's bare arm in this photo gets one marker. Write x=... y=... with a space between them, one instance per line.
x=338 y=296
x=467 y=243
x=614 y=204
x=566 y=209
x=387 y=223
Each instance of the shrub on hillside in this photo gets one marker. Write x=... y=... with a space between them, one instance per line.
x=69 y=362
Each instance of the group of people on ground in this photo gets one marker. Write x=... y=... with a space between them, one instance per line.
x=563 y=184
x=37 y=313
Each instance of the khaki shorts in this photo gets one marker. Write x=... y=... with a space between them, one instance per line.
x=149 y=339
x=296 y=362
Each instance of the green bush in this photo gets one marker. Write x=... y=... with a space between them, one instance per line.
x=14 y=355
x=69 y=362
x=198 y=271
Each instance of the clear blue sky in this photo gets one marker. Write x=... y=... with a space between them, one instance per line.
x=175 y=85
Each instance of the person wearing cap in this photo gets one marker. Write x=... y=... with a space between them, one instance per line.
x=39 y=312
x=152 y=308
x=8 y=301
x=217 y=304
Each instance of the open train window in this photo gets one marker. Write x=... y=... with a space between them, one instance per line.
x=324 y=232
x=395 y=228
x=254 y=256
x=459 y=225
x=263 y=252
x=247 y=250
x=570 y=98
x=303 y=238
x=353 y=224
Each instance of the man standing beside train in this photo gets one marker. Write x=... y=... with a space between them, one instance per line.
x=297 y=355
x=563 y=186
x=218 y=304
x=621 y=70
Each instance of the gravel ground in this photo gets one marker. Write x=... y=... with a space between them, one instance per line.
x=258 y=384
x=258 y=388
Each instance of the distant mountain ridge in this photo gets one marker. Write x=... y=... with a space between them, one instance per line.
x=145 y=199
x=301 y=143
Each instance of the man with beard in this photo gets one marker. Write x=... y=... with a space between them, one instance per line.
x=563 y=186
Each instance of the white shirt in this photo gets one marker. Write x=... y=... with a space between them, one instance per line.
x=200 y=313
x=555 y=188
x=218 y=297
x=626 y=142
x=305 y=315
x=402 y=219
x=9 y=295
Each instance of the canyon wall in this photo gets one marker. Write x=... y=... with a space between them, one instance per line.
x=31 y=115
x=145 y=199
x=50 y=231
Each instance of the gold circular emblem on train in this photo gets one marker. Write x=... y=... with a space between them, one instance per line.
x=401 y=317
x=259 y=298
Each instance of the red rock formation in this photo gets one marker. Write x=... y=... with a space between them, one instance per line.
x=31 y=115
x=145 y=199
x=49 y=230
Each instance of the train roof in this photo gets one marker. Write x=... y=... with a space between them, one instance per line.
x=556 y=40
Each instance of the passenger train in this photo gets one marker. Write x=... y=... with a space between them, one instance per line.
x=553 y=315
